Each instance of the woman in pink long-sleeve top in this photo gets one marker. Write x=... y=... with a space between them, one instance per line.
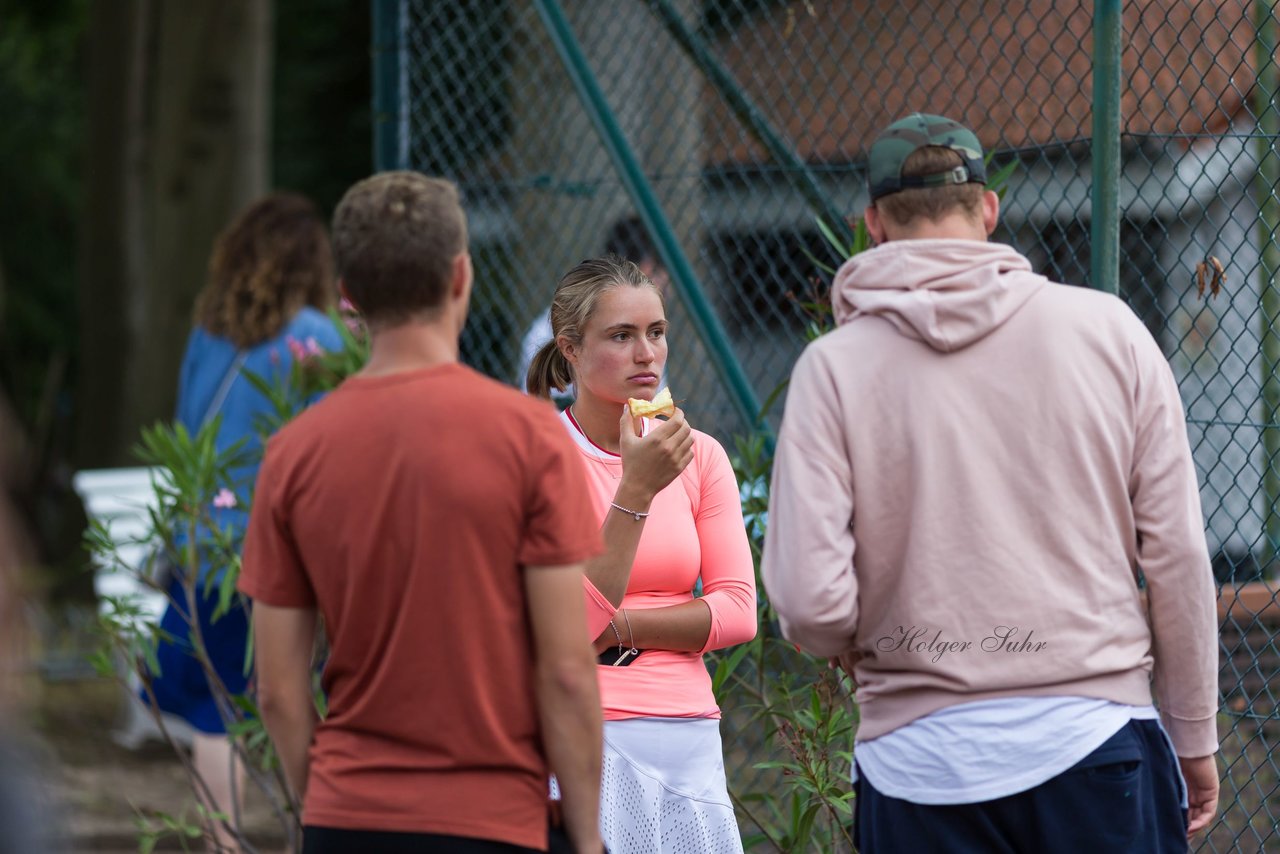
x=670 y=514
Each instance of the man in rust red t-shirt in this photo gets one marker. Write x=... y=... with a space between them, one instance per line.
x=437 y=521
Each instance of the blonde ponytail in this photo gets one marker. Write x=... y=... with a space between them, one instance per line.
x=548 y=370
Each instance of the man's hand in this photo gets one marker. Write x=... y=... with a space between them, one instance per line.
x=284 y=639
x=567 y=697
x=1201 y=774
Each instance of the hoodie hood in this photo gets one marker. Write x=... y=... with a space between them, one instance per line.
x=946 y=293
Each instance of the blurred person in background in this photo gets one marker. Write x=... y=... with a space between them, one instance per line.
x=26 y=816
x=271 y=281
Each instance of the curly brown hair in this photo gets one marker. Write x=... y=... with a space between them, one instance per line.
x=272 y=260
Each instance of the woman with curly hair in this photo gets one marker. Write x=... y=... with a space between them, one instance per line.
x=271 y=280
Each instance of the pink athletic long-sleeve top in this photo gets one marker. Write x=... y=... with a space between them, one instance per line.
x=694 y=529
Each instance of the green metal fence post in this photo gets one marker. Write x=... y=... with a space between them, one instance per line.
x=1104 y=272
x=752 y=119
x=1266 y=185
x=390 y=140
x=637 y=186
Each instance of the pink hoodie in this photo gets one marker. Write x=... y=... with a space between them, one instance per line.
x=972 y=471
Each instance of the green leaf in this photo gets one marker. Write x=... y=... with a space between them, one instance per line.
x=842 y=251
x=804 y=831
x=999 y=180
x=773 y=397
x=861 y=237
x=817 y=262
x=727 y=665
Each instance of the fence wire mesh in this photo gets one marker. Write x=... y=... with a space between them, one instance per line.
x=697 y=89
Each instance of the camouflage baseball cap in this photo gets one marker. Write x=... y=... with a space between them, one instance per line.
x=892 y=148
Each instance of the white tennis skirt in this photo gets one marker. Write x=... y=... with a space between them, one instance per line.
x=663 y=790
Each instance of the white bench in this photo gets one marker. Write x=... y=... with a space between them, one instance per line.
x=122 y=499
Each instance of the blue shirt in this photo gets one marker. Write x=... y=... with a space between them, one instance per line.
x=205 y=365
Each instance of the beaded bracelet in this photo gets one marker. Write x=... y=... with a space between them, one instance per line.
x=636 y=513
x=617 y=635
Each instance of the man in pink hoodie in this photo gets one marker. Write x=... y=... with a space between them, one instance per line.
x=978 y=473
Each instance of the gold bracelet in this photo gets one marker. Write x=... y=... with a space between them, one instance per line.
x=631 y=636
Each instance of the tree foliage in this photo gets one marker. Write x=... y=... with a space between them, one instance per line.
x=320 y=142
x=42 y=100
x=322 y=132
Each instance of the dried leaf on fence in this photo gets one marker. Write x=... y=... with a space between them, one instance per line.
x=1210 y=271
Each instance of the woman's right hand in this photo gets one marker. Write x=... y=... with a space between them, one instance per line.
x=651 y=462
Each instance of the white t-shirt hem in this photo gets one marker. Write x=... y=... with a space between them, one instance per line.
x=889 y=762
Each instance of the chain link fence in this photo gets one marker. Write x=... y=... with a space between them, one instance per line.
x=723 y=129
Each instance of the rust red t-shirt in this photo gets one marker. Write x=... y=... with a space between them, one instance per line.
x=404 y=508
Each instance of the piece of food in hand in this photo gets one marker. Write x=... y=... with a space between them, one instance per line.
x=662 y=404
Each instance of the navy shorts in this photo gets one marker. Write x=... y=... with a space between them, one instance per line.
x=1126 y=796
x=182 y=686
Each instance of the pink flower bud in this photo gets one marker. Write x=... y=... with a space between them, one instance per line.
x=296 y=348
x=225 y=499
